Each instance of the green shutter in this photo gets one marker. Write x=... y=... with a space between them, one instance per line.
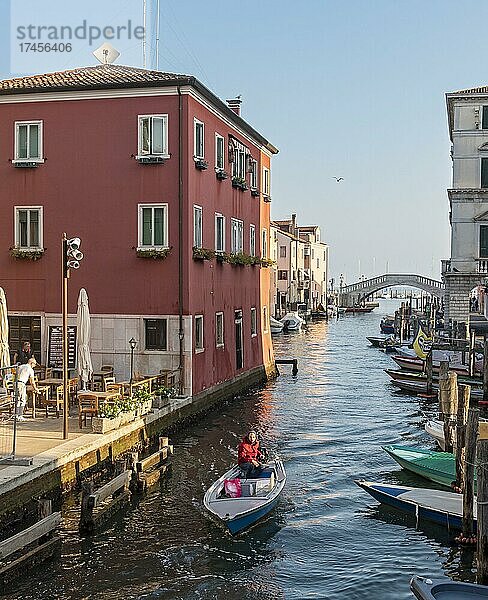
x=34 y=141
x=147 y=227
x=22 y=141
x=34 y=229
x=484 y=173
x=158 y=227
x=483 y=241
x=484 y=122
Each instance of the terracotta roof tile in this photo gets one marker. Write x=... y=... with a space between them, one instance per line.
x=95 y=77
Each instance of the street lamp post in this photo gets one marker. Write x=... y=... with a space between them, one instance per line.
x=70 y=260
x=132 y=344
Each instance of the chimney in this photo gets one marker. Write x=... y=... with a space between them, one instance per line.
x=235 y=105
x=294 y=224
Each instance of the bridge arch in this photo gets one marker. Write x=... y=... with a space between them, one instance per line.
x=357 y=292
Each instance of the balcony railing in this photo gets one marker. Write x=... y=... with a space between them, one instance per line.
x=482 y=266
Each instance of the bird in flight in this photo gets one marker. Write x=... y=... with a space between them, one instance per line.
x=339 y=179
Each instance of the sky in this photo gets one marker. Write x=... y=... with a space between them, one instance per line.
x=353 y=89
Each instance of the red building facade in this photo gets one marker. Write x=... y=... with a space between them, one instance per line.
x=155 y=174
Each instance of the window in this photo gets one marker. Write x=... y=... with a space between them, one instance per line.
x=266 y=187
x=484 y=120
x=199 y=139
x=282 y=251
x=483 y=241
x=28 y=140
x=254 y=330
x=219 y=151
x=236 y=236
x=199 y=332
x=254 y=174
x=238 y=153
x=282 y=275
x=252 y=240
x=28 y=227
x=153 y=225
x=219 y=329
x=264 y=244
x=318 y=263
x=153 y=135
x=197 y=226
x=312 y=253
x=156 y=334
x=24 y=328
x=219 y=233
x=265 y=319
x=484 y=172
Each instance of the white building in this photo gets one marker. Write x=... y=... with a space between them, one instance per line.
x=468 y=128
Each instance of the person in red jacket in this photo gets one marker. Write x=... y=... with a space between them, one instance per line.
x=249 y=454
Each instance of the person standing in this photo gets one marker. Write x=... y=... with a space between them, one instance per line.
x=25 y=375
x=24 y=353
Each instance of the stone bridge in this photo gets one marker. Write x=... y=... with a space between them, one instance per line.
x=357 y=292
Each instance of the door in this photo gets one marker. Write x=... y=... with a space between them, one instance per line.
x=239 y=350
x=24 y=328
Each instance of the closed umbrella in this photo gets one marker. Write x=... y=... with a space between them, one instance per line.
x=85 y=368
x=4 y=350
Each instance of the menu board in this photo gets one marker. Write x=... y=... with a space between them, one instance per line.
x=55 y=347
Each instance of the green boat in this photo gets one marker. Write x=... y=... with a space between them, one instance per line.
x=435 y=466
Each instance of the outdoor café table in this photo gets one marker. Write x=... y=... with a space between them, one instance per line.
x=52 y=382
x=101 y=396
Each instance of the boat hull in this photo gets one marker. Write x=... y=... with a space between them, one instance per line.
x=438 y=589
x=404 y=498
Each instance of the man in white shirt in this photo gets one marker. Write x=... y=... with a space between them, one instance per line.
x=25 y=375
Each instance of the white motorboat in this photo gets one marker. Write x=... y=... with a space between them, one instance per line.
x=292 y=322
x=275 y=325
x=257 y=498
x=435 y=429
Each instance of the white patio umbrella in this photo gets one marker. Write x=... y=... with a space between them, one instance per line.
x=85 y=368
x=4 y=350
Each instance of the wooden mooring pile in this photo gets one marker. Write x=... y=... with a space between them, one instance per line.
x=39 y=542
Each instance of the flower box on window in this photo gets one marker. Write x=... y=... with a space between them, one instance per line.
x=221 y=174
x=200 y=164
x=151 y=159
x=26 y=164
x=254 y=192
x=221 y=257
x=266 y=262
x=154 y=253
x=202 y=253
x=266 y=198
x=26 y=253
x=239 y=183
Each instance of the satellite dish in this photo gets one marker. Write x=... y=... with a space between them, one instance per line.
x=106 y=54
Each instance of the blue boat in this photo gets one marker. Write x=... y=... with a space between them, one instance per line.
x=438 y=506
x=258 y=497
x=444 y=589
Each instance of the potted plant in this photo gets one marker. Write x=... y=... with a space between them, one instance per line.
x=267 y=262
x=221 y=257
x=108 y=418
x=255 y=192
x=154 y=253
x=200 y=164
x=239 y=183
x=202 y=253
x=26 y=254
x=221 y=174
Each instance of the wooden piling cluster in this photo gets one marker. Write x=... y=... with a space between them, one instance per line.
x=99 y=506
x=31 y=546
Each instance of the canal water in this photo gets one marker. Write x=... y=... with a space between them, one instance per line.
x=327 y=539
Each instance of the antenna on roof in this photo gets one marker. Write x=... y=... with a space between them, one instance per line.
x=106 y=54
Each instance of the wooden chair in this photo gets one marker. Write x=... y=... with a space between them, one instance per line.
x=87 y=407
x=55 y=401
x=73 y=390
x=108 y=381
x=108 y=370
x=48 y=373
x=114 y=387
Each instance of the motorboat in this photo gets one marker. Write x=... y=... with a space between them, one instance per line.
x=275 y=325
x=445 y=589
x=292 y=322
x=255 y=499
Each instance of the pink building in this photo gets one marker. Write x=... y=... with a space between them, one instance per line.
x=155 y=174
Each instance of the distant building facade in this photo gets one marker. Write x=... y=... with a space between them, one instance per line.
x=468 y=197
x=301 y=268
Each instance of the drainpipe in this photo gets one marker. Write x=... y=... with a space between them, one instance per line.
x=181 y=332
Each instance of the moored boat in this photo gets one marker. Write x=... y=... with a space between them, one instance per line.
x=436 y=430
x=292 y=322
x=258 y=496
x=437 y=506
x=445 y=589
x=420 y=387
x=359 y=309
x=439 y=467
x=275 y=325
x=417 y=364
x=387 y=325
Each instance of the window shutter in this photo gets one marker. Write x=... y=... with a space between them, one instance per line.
x=484 y=173
x=484 y=241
